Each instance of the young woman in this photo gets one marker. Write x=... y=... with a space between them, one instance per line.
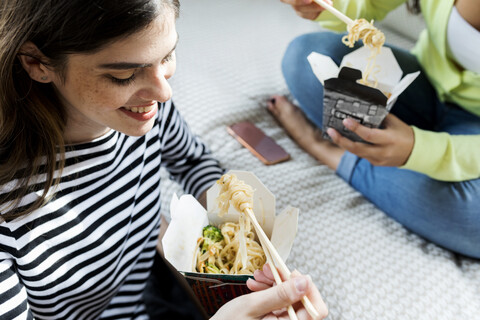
x=423 y=167
x=86 y=123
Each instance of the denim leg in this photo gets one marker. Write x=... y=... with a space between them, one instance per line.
x=446 y=213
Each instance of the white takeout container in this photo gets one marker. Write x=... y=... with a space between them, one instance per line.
x=188 y=218
x=344 y=97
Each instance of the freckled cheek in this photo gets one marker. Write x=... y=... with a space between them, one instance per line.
x=99 y=96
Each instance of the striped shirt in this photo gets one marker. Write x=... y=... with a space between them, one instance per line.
x=88 y=252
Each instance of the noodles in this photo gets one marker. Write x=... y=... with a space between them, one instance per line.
x=373 y=38
x=235 y=191
x=223 y=256
x=235 y=251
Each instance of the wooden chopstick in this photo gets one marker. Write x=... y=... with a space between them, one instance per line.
x=281 y=264
x=334 y=11
x=276 y=276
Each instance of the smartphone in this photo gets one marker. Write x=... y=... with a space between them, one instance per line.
x=255 y=140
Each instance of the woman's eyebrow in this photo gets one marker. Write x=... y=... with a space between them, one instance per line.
x=124 y=65
x=132 y=65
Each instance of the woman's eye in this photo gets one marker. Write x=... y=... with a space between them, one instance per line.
x=123 y=81
x=168 y=58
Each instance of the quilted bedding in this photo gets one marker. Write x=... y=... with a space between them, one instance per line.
x=366 y=265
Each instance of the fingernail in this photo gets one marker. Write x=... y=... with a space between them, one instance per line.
x=348 y=123
x=300 y=284
x=331 y=133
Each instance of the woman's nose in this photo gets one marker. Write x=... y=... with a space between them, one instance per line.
x=157 y=87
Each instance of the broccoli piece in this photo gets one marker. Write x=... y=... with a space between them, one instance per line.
x=213 y=233
x=207 y=242
x=211 y=268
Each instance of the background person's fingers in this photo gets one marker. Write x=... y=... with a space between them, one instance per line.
x=297 y=2
x=375 y=136
x=340 y=140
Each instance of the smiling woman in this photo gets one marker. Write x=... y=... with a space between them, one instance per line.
x=86 y=124
x=51 y=97
x=107 y=88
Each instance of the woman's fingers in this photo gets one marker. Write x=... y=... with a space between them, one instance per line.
x=261 y=304
x=264 y=276
x=306 y=9
x=285 y=296
x=361 y=149
x=256 y=285
x=375 y=136
x=278 y=297
x=389 y=146
x=261 y=281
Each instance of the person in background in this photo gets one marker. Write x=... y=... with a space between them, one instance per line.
x=422 y=168
x=86 y=124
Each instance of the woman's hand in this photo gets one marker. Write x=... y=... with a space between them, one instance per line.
x=306 y=9
x=270 y=301
x=390 y=146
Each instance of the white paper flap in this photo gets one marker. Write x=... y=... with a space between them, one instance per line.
x=400 y=87
x=387 y=71
x=263 y=203
x=284 y=231
x=180 y=239
x=323 y=66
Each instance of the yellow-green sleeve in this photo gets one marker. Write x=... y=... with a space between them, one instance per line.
x=445 y=157
x=355 y=9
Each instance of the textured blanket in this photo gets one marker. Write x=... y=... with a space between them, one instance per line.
x=366 y=265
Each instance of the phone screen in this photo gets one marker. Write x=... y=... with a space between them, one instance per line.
x=255 y=140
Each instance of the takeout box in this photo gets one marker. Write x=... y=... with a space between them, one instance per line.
x=344 y=97
x=188 y=218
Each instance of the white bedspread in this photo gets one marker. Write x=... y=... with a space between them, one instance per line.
x=366 y=265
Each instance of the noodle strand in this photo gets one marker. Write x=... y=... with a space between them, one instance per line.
x=372 y=38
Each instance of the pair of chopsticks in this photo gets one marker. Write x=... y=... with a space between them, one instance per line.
x=334 y=11
x=270 y=251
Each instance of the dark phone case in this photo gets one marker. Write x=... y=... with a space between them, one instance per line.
x=255 y=140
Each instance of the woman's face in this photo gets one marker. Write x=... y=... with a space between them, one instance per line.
x=119 y=86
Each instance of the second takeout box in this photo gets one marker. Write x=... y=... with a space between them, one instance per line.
x=188 y=217
x=344 y=97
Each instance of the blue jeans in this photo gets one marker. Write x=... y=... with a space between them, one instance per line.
x=446 y=213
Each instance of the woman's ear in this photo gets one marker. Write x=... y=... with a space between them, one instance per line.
x=31 y=59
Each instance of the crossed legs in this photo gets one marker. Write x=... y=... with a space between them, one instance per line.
x=445 y=213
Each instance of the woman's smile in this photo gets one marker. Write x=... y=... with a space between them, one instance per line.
x=141 y=112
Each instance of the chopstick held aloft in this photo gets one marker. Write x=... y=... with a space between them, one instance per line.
x=334 y=11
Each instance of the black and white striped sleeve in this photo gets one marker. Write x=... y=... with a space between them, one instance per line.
x=185 y=156
x=13 y=296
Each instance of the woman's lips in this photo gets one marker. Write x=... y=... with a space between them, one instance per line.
x=141 y=112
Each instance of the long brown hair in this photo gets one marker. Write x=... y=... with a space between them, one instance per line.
x=32 y=119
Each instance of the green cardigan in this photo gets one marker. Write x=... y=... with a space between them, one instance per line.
x=437 y=154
